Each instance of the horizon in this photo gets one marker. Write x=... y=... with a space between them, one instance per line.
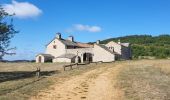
x=87 y=21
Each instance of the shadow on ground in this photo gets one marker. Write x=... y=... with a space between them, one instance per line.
x=9 y=76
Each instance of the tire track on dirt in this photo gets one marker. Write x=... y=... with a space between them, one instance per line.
x=96 y=84
x=103 y=88
x=75 y=88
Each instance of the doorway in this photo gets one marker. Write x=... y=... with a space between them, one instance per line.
x=39 y=59
x=87 y=57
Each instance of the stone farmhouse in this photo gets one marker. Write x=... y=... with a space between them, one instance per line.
x=68 y=50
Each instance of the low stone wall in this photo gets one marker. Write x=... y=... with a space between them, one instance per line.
x=67 y=60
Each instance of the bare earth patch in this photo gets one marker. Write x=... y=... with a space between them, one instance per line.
x=96 y=84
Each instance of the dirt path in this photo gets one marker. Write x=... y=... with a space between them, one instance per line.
x=96 y=84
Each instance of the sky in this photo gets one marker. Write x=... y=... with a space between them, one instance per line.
x=38 y=21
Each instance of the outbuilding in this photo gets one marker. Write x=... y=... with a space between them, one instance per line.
x=41 y=58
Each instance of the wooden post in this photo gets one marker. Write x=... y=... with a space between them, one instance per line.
x=71 y=67
x=77 y=65
x=38 y=72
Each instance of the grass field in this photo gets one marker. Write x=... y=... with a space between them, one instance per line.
x=19 y=82
x=124 y=80
x=145 y=80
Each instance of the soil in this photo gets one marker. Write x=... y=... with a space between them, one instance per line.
x=97 y=84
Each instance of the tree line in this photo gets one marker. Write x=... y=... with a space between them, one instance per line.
x=146 y=45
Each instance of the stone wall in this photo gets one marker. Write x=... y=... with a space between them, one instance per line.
x=80 y=52
x=116 y=47
x=60 y=48
x=102 y=55
x=67 y=60
x=126 y=53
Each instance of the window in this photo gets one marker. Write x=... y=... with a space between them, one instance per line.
x=54 y=47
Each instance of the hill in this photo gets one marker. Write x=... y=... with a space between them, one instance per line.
x=146 y=45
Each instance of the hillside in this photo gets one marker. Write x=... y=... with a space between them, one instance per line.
x=146 y=45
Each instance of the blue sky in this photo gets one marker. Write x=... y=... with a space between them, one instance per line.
x=86 y=20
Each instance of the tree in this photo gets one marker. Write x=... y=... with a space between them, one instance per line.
x=7 y=32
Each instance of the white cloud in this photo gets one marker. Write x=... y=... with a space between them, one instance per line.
x=22 y=9
x=81 y=27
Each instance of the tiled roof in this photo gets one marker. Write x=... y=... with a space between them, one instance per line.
x=68 y=43
x=46 y=55
x=84 y=45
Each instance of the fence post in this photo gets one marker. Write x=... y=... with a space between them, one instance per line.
x=71 y=66
x=38 y=72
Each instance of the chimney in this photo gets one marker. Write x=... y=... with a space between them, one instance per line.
x=58 y=35
x=71 y=38
x=98 y=42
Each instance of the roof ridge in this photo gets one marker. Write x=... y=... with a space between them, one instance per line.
x=121 y=44
x=105 y=48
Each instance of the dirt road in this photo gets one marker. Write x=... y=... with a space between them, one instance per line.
x=97 y=84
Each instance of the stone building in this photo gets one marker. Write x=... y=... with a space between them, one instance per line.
x=68 y=50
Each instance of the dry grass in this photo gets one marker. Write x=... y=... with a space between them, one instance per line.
x=137 y=80
x=8 y=67
x=17 y=82
x=145 y=80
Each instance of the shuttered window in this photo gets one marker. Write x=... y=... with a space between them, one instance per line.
x=54 y=47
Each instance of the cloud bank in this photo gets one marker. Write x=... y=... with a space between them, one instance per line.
x=22 y=9
x=87 y=28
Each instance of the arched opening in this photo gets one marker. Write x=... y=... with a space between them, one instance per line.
x=87 y=57
x=39 y=59
x=77 y=59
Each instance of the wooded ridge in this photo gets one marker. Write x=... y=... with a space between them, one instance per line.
x=146 y=45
